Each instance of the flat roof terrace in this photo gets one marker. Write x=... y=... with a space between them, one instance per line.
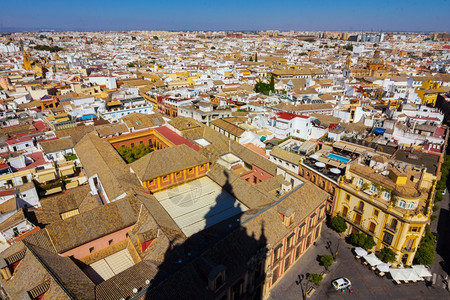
x=199 y=204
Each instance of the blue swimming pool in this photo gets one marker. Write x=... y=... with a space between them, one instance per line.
x=339 y=158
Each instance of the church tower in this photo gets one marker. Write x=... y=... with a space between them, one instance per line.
x=348 y=63
x=26 y=63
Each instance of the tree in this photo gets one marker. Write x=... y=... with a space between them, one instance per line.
x=361 y=239
x=387 y=255
x=262 y=87
x=348 y=47
x=256 y=57
x=369 y=242
x=315 y=278
x=213 y=48
x=425 y=253
x=326 y=260
x=155 y=37
x=272 y=83
x=131 y=65
x=338 y=224
x=133 y=154
x=251 y=58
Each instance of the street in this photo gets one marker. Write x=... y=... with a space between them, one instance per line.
x=366 y=284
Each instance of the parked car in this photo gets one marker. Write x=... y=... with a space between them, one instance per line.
x=341 y=283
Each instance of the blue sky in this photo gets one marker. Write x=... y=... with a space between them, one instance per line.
x=392 y=15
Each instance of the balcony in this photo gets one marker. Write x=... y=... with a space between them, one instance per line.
x=411 y=250
x=392 y=229
x=359 y=210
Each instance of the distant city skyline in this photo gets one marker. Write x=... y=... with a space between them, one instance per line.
x=401 y=15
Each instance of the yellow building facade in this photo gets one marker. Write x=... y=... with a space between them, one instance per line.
x=391 y=207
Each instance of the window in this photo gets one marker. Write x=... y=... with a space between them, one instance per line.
x=287 y=263
x=344 y=211
x=372 y=227
x=394 y=223
x=290 y=240
x=24 y=179
x=110 y=242
x=414 y=229
x=410 y=205
x=402 y=203
x=302 y=172
x=166 y=178
x=386 y=195
x=178 y=174
x=361 y=206
x=322 y=184
x=91 y=249
x=132 y=145
x=275 y=275
x=277 y=252
x=333 y=190
x=347 y=197
x=387 y=238
x=360 y=182
x=373 y=188
x=191 y=171
x=300 y=229
x=376 y=212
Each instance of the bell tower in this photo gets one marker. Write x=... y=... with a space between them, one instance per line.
x=26 y=63
x=348 y=64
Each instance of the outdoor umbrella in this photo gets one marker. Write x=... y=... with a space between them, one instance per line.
x=384 y=267
x=360 y=251
x=421 y=270
x=372 y=259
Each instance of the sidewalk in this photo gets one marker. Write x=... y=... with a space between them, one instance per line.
x=287 y=288
x=366 y=284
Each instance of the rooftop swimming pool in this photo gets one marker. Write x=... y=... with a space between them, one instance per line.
x=341 y=159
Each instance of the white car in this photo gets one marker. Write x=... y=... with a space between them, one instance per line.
x=341 y=283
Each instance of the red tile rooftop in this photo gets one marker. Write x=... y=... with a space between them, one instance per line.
x=18 y=140
x=7 y=193
x=290 y=116
x=175 y=138
x=38 y=160
x=439 y=132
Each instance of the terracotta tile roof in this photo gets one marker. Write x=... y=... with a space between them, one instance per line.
x=63 y=143
x=288 y=156
x=77 y=133
x=99 y=157
x=228 y=127
x=166 y=161
x=64 y=271
x=111 y=129
x=93 y=224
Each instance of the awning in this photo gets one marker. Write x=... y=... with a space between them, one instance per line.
x=372 y=259
x=379 y=130
x=421 y=270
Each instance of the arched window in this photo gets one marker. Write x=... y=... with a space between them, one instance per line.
x=361 y=206
x=402 y=203
x=410 y=205
x=394 y=224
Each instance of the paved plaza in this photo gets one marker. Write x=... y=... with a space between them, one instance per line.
x=366 y=284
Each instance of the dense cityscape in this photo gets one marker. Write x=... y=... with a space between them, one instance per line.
x=224 y=165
